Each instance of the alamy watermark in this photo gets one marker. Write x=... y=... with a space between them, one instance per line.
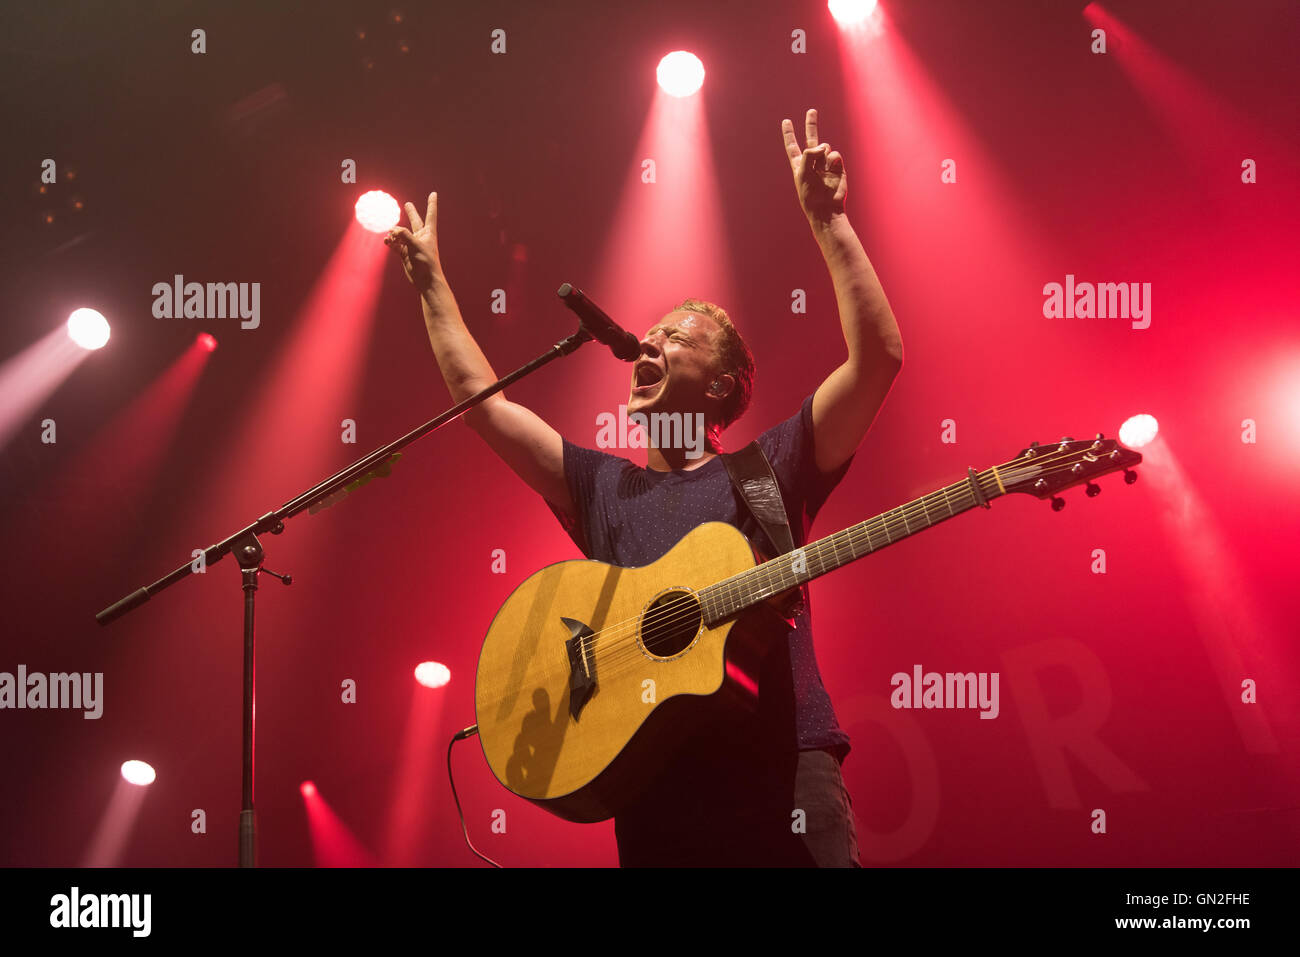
x=1102 y=300
x=949 y=690
x=59 y=690
x=179 y=299
x=75 y=909
x=661 y=430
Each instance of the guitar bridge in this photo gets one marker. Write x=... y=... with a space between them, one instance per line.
x=582 y=665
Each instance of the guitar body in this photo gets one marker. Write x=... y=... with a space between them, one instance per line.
x=592 y=675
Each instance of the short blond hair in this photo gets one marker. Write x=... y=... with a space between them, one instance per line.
x=733 y=356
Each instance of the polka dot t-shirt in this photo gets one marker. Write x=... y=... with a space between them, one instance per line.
x=631 y=516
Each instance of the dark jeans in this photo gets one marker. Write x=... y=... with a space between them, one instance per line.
x=715 y=808
x=740 y=793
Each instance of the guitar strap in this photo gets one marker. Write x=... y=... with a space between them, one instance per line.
x=752 y=478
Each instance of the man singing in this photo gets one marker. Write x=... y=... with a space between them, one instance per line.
x=761 y=790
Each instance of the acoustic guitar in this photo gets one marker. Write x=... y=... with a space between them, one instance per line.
x=591 y=673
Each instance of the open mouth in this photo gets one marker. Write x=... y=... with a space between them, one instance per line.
x=648 y=378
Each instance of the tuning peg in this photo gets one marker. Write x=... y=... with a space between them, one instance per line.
x=1100 y=436
x=1130 y=477
x=1092 y=489
x=1057 y=503
x=1067 y=438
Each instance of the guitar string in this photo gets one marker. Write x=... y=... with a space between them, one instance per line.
x=616 y=652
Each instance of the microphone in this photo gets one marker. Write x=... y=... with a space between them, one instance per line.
x=623 y=344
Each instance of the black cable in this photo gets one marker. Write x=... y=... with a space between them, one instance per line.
x=460 y=736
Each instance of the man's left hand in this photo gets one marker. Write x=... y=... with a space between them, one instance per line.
x=819 y=177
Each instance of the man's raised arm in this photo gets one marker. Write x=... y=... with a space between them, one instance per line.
x=532 y=449
x=846 y=403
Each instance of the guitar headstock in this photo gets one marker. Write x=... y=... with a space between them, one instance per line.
x=1044 y=470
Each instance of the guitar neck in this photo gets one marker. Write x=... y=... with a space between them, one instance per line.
x=757 y=584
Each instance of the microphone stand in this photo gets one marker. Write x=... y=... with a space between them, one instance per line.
x=248 y=552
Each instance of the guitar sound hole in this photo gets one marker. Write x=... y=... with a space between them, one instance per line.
x=670 y=623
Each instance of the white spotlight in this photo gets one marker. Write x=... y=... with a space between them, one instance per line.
x=87 y=328
x=137 y=772
x=1138 y=431
x=851 y=11
x=680 y=73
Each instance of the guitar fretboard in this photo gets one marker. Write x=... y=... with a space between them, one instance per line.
x=732 y=595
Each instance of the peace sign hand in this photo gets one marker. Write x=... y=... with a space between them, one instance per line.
x=418 y=246
x=819 y=177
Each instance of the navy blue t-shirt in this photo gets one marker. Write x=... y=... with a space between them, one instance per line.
x=631 y=516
